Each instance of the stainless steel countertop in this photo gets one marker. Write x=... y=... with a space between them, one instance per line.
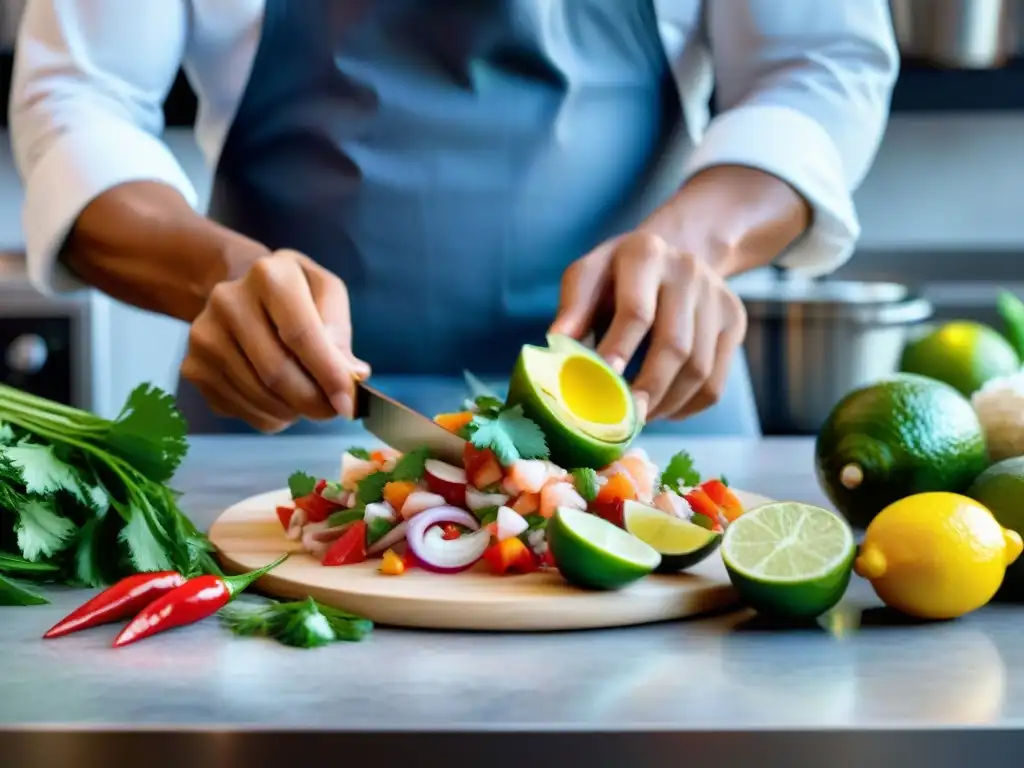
x=726 y=690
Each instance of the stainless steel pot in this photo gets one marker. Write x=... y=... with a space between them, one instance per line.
x=962 y=34
x=810 y=343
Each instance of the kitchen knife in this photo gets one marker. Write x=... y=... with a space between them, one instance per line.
x=404 y=429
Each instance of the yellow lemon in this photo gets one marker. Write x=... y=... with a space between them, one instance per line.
x=936 y=555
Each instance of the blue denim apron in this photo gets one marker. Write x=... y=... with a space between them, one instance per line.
x=448 y=160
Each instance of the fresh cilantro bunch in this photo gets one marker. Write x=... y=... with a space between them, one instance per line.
x=679 y=473
x=84 y=500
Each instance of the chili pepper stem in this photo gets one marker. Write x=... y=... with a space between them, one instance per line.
x=243 y=581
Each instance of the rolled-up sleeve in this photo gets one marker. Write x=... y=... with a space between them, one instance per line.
x=803 y=90
x=86 y=112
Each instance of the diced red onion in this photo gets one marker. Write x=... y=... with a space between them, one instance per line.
x=442 y=555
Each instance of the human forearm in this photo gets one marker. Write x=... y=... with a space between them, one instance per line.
x=734 y=217
x=142 y=243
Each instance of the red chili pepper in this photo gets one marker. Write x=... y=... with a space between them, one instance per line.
x=350 y=547
x=120 y=601
x=191 y=602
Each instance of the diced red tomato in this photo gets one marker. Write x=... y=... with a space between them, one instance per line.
x=549 y=559
x=510 y=556
x=701 y=504
x=284 y=514
x=726 y=500
x=320 y=485
x=317 y=508
x=613 y=494
x=454 y=422
x=350 y=547
x=450 y=531
x=409 y=559
x=482 y=467
x=397 y=491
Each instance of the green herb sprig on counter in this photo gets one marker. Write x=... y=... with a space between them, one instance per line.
x=301 y=624
x=85 y=498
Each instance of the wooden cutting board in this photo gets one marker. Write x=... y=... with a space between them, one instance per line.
x=248 y=536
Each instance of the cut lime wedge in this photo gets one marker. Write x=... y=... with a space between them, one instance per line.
x=592 y=553
x=682 y=544
x=789 y=559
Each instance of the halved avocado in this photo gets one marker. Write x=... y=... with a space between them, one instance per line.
x=584 y=407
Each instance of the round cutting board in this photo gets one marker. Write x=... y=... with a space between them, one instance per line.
x=249 y=535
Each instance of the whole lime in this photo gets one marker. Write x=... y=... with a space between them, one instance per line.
x=1001 y=489
x=963 y=354
x=904 y=435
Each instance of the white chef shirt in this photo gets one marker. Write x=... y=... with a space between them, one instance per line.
x=803 y=87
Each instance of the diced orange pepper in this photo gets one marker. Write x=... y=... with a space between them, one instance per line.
x=396 y=492
x=526 y=503
x=702 y=504
x=726 y=500
x=510 y=556
x=612 y=495
x=454 y=422
x=482 y=467
x=391 y=564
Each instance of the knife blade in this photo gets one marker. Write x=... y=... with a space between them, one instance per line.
x=404 y=429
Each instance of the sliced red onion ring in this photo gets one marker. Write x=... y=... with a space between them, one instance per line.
x=436 y=553
x=389 y=539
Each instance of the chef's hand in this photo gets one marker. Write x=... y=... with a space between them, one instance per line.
x=695 y=322
x=275 y=345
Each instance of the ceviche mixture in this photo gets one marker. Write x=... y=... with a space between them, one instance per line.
x=410 y=510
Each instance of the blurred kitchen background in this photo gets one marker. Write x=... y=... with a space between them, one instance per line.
x=942 y=214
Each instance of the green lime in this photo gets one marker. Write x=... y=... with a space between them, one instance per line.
x=1000 y=488
x=583 y=405
x=895 y=438
x=789 y=559
x=963 y=354
x=592 y=553
x=682 y=544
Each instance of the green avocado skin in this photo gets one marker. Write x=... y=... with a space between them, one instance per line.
x=569 y=448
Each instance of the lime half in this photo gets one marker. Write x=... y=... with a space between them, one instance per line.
x=789 y=559
x=682 y=544
x=592 y=553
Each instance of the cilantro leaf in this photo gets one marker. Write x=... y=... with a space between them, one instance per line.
x=488 y=405
x=301 y=624
x=42 y=472
x=41 y=531
x=359 y=453
x=409 y=468
x=147 y=551
x=487 y=515
x=680 y=472
x=510 y=435
x=150 y=432
x=301 y=484
x=371 y=488
x=377 y=529
x=585 y=480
